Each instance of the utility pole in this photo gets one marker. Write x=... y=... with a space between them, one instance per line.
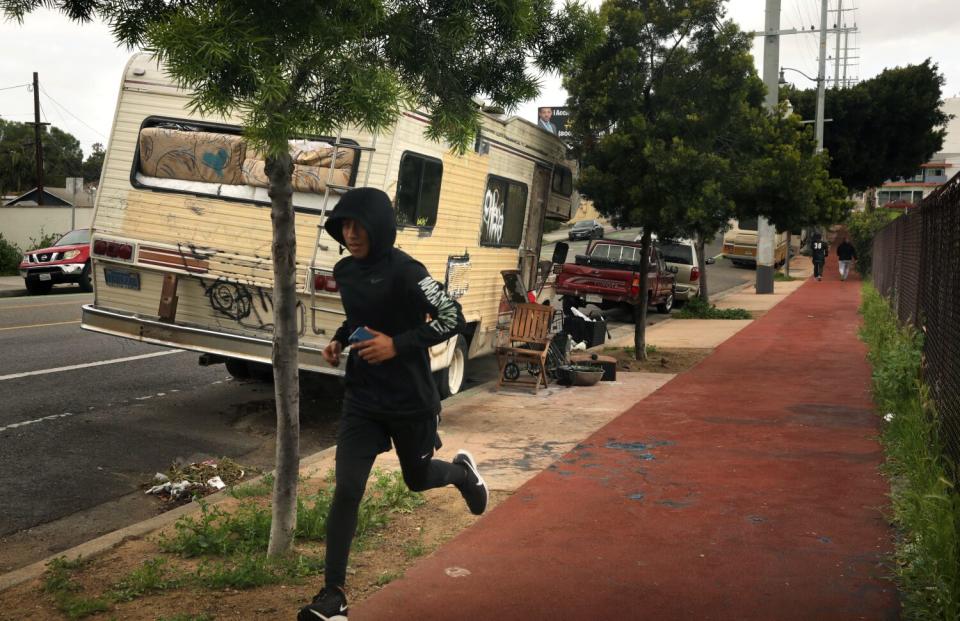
x=766 y=233
x=38 y=137
x=821 y=76
x=836 y=55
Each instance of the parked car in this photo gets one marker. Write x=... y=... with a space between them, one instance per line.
x=586 y=229
x=68 y=260
x=608 y=275
x=682 y=255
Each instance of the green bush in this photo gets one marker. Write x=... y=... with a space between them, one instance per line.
x=926 y=503
x=862 y=227
x=698 y=309
x=10 y=256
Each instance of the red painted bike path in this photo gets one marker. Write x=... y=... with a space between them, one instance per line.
x=746 y=488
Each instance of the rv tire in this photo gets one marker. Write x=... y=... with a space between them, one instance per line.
x=450 y=380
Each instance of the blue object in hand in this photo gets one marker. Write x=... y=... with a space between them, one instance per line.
x=360 y=334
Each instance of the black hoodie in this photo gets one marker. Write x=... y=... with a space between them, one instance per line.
x=393 y=293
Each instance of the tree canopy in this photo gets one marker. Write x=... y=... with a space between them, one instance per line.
x=62 y=156
x=882 y=128
x=668 y=120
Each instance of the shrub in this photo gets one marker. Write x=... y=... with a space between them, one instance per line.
x=926 y=503
x=10 y=256
x=862 y=227
x=697 y=308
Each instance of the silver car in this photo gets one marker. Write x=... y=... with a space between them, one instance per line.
x=682 y=254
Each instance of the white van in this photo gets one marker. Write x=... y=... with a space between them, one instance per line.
x=182 y=234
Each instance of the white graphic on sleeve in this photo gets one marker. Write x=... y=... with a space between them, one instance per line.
x=446 y=320
x=491 y=229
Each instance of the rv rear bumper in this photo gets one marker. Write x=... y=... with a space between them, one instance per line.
x=126 y=325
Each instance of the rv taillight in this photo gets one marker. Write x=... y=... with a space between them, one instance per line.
x=322 y=282
x=635 y=286
x=100 y=247
x=695 y=274
x=113 y=249
x=125 y=251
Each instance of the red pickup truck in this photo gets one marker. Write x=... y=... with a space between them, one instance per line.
x=609 y=275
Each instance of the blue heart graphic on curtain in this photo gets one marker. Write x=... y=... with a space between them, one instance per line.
x=217 y=161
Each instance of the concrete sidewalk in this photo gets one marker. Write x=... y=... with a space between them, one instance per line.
x=12 y=286
x=746 y=488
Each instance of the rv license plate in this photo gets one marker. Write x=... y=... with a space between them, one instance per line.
x=593 y=299
x=122 y=279
x=45 y=277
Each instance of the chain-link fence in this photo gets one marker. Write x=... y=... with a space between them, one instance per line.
x=916 y=264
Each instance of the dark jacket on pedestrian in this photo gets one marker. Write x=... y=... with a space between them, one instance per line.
x=819 y=249
x=393 y=293
x=846 y=251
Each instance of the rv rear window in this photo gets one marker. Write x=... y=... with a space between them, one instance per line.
x=504 y=207
x=210 y=159
x=562 y=180
x=418 y=190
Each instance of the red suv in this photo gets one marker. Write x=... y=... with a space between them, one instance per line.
x=68 y=260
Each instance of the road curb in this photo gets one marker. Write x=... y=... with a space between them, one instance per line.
x=12 y=293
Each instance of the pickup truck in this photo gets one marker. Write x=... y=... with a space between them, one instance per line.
x=608 y=275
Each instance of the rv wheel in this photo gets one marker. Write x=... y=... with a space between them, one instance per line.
x=238 y=369
x=450 y=380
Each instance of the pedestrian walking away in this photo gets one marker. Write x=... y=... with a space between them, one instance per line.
x=394 y=313
x=846 y=254
x=819 y=248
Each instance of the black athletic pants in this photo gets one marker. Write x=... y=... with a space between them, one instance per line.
x=817 y=269
x=359 y=440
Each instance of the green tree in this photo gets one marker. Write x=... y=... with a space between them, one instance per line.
x=669 y=125
x=61 y=157
x=882 y=128
x=296 y=67
x=93 y=165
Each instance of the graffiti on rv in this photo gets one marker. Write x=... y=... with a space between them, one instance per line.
x=250 y=306
x=491 y=227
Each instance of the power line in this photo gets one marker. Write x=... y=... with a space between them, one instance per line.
x=62 y=107
x=8 y=88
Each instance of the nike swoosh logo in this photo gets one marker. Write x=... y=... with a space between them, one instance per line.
x=424 y=456
x=374 y=281
x=343 y=607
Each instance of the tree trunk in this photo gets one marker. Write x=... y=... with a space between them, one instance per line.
x=640 y=310
x=286 y=334
x=702 y=261
x=870 y=199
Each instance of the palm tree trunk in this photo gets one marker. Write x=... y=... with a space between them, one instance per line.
x=702 y=264
x=285 y=350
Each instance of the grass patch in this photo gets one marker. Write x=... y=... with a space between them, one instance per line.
x=231 y=545
x=151 y=577
x=698 y=309
x=387 y=577
x=926 y=504
x=259 y=489
x=67 y=594
x=187 y=618
x=781 y=277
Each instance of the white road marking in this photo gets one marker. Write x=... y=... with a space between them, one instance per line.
x=5 y=307
x=36 y=420
x=86 y=365
x=40 y=325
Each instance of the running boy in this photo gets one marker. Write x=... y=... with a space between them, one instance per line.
x=395 y=312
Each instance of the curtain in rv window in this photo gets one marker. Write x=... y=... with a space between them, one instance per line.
x=504 y=207
x=418 y=190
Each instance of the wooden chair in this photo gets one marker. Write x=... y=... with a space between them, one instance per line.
x=528 y=341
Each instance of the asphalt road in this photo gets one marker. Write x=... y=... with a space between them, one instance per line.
x=87 y=419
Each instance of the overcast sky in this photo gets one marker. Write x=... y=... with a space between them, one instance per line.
x=80 y=67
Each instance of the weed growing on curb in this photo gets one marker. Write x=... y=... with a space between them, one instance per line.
x=66 y=593
x=926 y=503
x=151 y=577
x=698 y=309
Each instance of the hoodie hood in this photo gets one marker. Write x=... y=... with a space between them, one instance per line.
x=372 y=209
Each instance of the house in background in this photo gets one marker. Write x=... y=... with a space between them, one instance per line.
x=905 y=193
x=23 y=219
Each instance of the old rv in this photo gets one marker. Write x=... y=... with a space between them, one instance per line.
x=181 y=242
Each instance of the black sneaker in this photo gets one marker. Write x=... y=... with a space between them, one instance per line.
x=330 y=604
x=474 y=491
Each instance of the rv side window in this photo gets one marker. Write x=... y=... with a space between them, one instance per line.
x=562 y=180
x=504 y=206
x=418 y=190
